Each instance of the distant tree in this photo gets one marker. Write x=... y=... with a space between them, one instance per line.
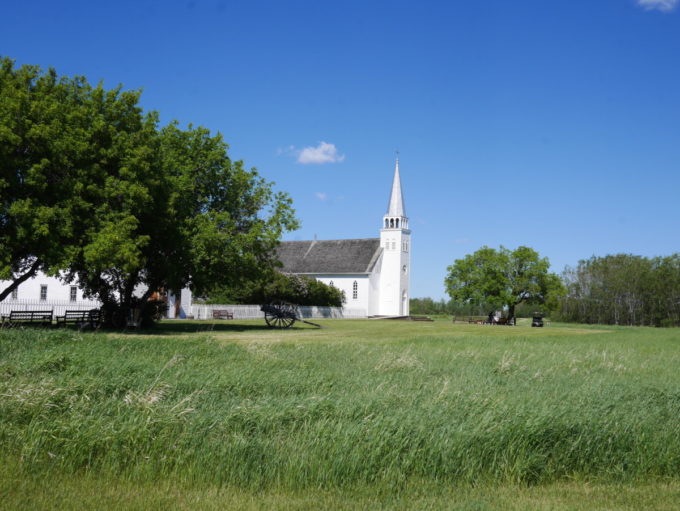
x=623 y=289
x=503 y=278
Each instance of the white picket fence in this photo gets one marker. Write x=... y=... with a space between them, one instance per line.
x=56 y=306
x=253 y=312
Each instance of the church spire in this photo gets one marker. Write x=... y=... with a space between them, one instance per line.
x=395 y=208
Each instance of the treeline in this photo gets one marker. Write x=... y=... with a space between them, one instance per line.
x=428 y=306
x=623 y=289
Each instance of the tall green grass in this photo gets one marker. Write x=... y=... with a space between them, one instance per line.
x=357 y=403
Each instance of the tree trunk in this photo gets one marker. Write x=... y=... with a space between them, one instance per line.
x=16 y=282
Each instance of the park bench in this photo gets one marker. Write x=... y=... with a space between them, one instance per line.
x=222 y=314
x=17 y=318
x=80 y=318
x=475 y=321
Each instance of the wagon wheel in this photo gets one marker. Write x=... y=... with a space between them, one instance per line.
x=279 y=314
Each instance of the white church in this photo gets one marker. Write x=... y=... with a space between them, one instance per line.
x=373 y=272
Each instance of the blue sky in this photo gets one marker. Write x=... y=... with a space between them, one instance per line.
x=553 y=124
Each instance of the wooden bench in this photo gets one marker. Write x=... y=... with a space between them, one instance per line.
x=222 y=314
x=475 y=321
x=80 y=318
x=17 y=318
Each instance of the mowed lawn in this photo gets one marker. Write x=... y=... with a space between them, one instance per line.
x=357 y=415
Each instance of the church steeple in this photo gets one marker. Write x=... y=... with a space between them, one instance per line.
x=396 y=214
x=395 y=266
x=396 y=205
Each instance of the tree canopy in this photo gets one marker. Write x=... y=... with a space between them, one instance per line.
x=274 y=284
x=94 y=190
x=503 y=278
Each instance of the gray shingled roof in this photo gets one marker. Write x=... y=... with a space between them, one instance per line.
x=329 y=256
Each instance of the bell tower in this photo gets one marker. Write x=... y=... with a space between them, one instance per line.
x=395 y=239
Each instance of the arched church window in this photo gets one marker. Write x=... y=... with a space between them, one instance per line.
x=387 y=223
x=355 y=290
x=391 y=223
x=396 y=223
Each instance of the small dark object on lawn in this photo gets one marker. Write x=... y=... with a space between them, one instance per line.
x=537 y=320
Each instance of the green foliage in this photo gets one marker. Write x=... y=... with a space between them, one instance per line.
x=503 y=278
x=623 y=289
x=92 y=186
x=273 y=285
x=442 y=307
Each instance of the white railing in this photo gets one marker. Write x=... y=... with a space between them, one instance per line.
x=56 y=306
x=253 y=312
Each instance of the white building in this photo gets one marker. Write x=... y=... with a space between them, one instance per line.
x=373 y=272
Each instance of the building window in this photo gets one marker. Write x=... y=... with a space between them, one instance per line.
x=331 y=284
x=15 y=293
x=394 y=245
x=43 y=293
x=74 y=294
x=404 y=269
x=355 y=290
x=396 y=223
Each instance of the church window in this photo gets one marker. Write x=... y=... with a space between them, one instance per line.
x=396 y=223
x=394 y=245
x=387 y=223
x=331 y=284
x=15 y=293
x=43 y=293
x=392 y=222
x=355 y=290
x=404 y=269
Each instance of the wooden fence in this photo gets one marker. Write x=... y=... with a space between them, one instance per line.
x=57 y=306
x=253 y=312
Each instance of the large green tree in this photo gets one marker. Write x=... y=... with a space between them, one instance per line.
x=57 y=135
x=503 y=278
x=92 y=189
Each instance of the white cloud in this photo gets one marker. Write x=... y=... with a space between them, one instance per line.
x=661 y=5
x=323 y=153
x=321 y=195
x=285 y=150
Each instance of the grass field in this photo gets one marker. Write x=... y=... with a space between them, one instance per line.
x=357 y=415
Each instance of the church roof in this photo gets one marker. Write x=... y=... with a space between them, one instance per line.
x=396 y=205
x=329 y=256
